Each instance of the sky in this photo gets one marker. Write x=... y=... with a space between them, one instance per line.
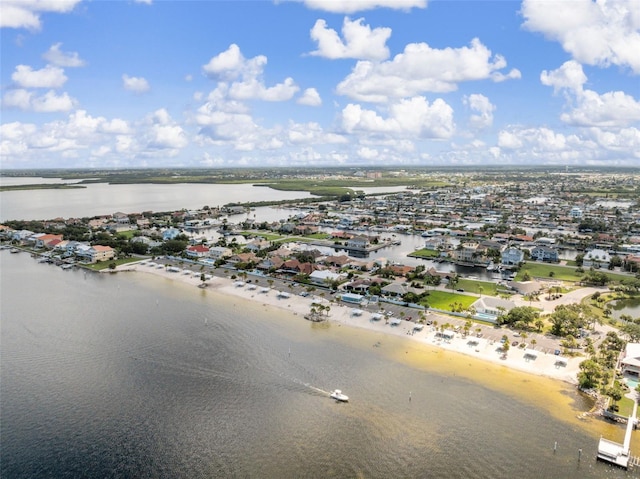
x=319 y=83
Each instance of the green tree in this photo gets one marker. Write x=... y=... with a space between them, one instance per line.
x=590 y=374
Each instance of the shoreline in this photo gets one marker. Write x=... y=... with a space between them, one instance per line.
x=537 y=362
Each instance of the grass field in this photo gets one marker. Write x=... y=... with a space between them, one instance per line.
x=478 y=287
x=562 y=273
x=443 y=300
x=425 y=253
x=105 y=264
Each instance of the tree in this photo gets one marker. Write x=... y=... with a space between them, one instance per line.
x=614 y=393
x=590 y=373
x=520 y=314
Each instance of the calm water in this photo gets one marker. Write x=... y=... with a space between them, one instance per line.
x=104 y=199
x=130 y=375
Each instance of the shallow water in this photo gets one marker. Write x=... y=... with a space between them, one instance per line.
x=131 y=375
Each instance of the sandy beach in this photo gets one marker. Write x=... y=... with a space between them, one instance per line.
x=525 y=360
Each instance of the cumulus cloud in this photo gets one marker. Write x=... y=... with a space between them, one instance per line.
x=570 y=75
x=360 y=41
x=483 y=107
x=246 y=77
x=594 y=146
x=310 y=97
x=29 y=101
x=351 y=6
x=312 y=133
x=596 y=33
x=48 y=77
x=612 y=109
x=26 y=13
x=420 y=69
x=407 y=117
x=135 y=84
x=587 y=107
x=57 y=57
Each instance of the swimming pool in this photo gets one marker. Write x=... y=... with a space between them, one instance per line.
x=632 y=382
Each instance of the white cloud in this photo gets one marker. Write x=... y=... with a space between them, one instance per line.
x=601 y=33
x=312 y=133
x=412 y=117
x=26 y=13
x=422 y=69
x=29 y=101
x=62 y=59
x=135 y=84
x=612 y=109
x=254 y=89
x=367 y=153
x=47 y=77
x=351 y=6
x=570 y=75
x=593 y=146
x=485 y=109
x=310 y=97
x=587 y=107
x=360 y=41
x=231 y=65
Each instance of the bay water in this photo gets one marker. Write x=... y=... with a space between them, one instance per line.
x=133 y=375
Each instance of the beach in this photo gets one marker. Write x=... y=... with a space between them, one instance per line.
x=530 y=361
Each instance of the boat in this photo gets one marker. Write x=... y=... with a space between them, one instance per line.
x=338 y=396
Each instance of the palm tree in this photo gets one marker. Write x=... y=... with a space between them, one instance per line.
x=533 y=343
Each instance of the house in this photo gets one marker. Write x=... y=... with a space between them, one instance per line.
x=358 y=242
x=322 y=277
x=545 y=253
x=219 y=252
x=492 y=307
x=257 y=245
x=630 y=364
x=95 y=253
x=170 y=233
x=596 y=258
x=198 y=251
x=467 y=252
x=337 y=261
x=101 y=253
x=512 y=256
x=47 y=240
x=272 y=262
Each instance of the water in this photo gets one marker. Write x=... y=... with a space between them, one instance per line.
x=105 y=199
x=628 y=307
x=130 y=375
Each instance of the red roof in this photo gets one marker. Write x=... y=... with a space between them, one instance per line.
x=199 y=248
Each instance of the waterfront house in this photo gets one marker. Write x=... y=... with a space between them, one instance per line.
x=630 y=363
x=545 y=253
x=95 y=253
x=47 y=240
x=596 y=258
x=512 y=257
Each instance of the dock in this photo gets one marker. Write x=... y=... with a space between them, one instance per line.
x=616 y=453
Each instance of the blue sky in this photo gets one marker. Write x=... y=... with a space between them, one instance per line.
x=209 y=83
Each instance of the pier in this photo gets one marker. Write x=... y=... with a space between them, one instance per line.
x=619 y=454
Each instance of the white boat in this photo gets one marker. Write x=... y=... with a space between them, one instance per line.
x=338 y=396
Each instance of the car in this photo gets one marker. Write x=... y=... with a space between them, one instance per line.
x=460 y=290
x=304 y=294
x=478 y=335
x=514 y=344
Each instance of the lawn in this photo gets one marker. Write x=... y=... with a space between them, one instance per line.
x=474 y=286
x=105 y=264
x=562 y=273
x=443 y=300
x=543 y=270
x=127 y=234
x=425 y=253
